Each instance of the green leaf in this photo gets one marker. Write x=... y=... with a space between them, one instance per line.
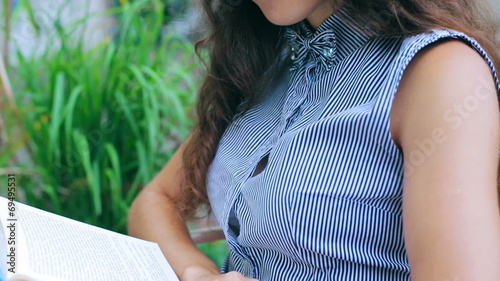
x=91 y=170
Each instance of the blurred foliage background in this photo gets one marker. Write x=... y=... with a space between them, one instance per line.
x=94 y=124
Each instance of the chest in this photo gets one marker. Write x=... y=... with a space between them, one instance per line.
x=290 y=167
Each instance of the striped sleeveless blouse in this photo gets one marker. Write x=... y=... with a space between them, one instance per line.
x=328 y=203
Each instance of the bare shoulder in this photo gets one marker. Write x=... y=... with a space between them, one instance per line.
x=446 y=120
x=448 y=75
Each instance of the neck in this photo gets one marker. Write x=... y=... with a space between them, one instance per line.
x=321 y=13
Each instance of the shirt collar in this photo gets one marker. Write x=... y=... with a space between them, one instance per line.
x=335 y=39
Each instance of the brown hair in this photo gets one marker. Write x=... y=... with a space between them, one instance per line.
x=243 y=50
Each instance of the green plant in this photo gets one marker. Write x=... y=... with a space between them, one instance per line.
x=100 y=122
x=216 y=251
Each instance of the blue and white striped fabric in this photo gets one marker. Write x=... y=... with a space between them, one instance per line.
x=328 y=205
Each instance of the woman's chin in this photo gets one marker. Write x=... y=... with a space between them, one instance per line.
x=281 y=13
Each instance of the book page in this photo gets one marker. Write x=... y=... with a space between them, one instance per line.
x=74 y=251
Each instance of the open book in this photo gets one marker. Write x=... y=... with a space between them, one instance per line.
x=49 y=247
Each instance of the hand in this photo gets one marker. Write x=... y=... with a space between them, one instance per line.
x=201 y=274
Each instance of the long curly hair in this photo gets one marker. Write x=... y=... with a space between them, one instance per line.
x=244 y=47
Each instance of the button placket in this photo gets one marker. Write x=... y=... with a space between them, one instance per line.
x=291 y=111
x=292 y=107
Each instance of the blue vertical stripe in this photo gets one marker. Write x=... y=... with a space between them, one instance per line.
x=328 y=205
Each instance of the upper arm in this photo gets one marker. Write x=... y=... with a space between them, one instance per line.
x=445 y=118
x=168 y=180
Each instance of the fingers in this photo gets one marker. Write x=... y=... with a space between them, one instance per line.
x=230 y=276
x=236 y=276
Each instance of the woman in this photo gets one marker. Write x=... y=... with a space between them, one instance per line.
x=352 y=140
